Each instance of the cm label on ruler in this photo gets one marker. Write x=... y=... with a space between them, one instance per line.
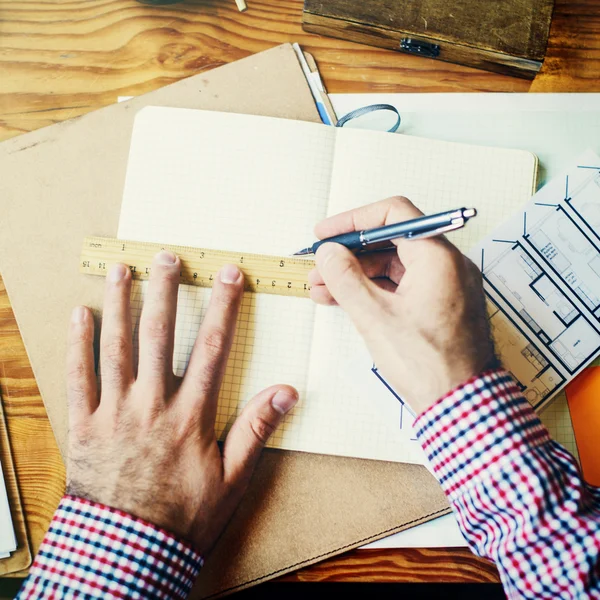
x=281 y=275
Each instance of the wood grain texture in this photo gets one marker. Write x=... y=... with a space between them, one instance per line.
x=39 y=467
x=505 y=37
x=62 y=58
x=518 y=27
x=408 y=565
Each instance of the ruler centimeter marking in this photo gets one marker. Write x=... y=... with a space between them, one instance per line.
x=281 y=275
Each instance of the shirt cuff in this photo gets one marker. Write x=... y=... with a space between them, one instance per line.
x=102 y=552
x=482 y=425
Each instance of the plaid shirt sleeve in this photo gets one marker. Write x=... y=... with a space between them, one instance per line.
x=94 y=551
x=519 y=497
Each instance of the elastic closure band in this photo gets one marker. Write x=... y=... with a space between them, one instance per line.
x=365 y=110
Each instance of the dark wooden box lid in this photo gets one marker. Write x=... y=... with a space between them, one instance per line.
x=515 y=27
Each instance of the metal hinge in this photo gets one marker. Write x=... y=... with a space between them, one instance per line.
x=420 y=47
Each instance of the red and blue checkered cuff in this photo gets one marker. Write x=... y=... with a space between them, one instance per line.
x=479 y=427
x=94 y=551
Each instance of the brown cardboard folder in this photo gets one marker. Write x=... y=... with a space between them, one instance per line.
x=63 y=182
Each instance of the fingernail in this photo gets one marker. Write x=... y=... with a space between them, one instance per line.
x=284 y=400
x=230 y=274
x=78 y=314
x=117 y=273
x=164 y=257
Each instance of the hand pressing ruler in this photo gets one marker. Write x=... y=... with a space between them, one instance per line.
x=282 y=275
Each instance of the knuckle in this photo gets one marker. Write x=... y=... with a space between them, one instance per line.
x=446 y=256
x=77 y=394
x=261 y=429
x=79 y=337
x=214 y=342
x=345 y=268
x=116 y=348
x=76 y=374
x=226 y=297
x=400 y=201
x=157 y=329
x=167 y=273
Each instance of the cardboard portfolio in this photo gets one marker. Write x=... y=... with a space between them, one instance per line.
x=64 y=182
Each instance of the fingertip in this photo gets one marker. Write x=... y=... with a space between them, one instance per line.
x=118 y=272
x=81 y=315
x=284 y=399
x=166 y=257
x=230 y=274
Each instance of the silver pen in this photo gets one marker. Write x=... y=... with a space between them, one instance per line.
x=423 y=227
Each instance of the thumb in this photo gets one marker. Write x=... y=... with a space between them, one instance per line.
x=252 y=429
x=346 y=281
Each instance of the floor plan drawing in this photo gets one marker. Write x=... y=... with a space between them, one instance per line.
x=533 y=373
x=519 y=280
x=541 y=276
x=569 y=252
x=407 y=416
x=585 y=202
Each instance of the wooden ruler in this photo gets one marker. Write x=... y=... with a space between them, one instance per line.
x=282 y=275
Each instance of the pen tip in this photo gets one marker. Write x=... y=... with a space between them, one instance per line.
x=468 y=213
x=302 y=252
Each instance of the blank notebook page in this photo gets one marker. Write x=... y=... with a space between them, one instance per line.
x=259 y=184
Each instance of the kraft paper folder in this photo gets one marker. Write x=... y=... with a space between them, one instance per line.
x=64 y=182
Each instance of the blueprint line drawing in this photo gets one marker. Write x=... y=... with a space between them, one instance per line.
x=534 y=374
x=541 y=277
x=521 y=282
x=570 y=254
x=406 y=413
x=585 y=203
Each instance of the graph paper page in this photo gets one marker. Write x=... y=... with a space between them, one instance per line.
x=233 y=182
x=436 y=176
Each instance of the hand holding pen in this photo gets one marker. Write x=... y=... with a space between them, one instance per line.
x=421 y=227
x=419 y=306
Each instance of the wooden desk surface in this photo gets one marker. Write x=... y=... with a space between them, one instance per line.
x=65 y=58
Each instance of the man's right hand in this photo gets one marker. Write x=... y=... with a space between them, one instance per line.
x=420 y=307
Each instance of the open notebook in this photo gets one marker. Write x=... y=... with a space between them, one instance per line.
x=258 y=184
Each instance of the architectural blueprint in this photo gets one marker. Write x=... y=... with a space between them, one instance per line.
x=541 y=274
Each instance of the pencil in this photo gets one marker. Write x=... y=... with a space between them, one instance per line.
x=241 y=4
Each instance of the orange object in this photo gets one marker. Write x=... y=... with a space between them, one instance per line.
x=583 y=396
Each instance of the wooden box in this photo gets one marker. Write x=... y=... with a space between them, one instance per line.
x=505 y=36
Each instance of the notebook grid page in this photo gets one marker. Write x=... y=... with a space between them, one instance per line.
x=277 y=189
x=233 y=183
x=437 y=176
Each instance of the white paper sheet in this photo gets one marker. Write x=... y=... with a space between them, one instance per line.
x=8 y=541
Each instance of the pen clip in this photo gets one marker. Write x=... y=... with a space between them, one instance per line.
x=456 y=224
